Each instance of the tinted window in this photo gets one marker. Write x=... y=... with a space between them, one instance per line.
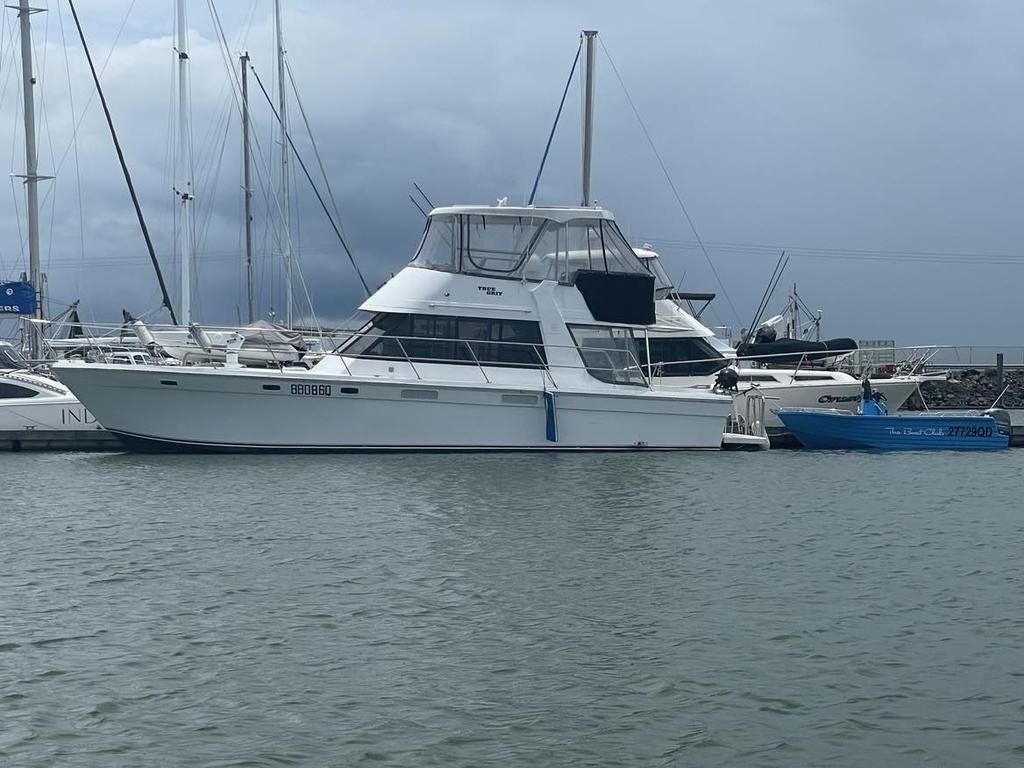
x=10 y=391
x=451 y=339
x=682 y=357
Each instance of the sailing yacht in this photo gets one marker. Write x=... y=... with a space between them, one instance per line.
x=513 y=328
x=686 y=353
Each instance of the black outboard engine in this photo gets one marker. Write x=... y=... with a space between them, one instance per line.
x=727 y=380
x=765 y=335
x=1002 y=419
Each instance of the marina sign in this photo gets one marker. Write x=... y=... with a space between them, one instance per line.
x=17 y=299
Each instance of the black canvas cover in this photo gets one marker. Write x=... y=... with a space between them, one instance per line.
x=618 y=298
x=792 y=351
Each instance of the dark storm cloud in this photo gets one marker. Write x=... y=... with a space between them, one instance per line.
x=876 y=125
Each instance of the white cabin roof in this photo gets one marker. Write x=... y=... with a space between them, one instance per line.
x=560 y=214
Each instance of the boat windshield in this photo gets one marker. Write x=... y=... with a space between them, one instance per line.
x=528 y=248
x=662 y=282
x=477 y=244
x=11 y=358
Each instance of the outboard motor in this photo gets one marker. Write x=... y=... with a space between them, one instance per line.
x=1002 y=419
x=727 y=380
x=765 y=335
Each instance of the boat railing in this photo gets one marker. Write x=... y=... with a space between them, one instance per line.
x=905 y=359
x=749 y=420
x=630 y=372
x=104 y=339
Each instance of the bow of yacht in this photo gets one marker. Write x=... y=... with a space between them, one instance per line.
x=512 y=328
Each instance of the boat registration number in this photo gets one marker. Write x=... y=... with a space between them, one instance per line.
x=961 y=430
x=312 y=390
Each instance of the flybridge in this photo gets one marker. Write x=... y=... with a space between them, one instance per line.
x=526 y=243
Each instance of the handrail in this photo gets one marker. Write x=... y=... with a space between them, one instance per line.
x=917 y=356
x=475 y=360
x=401 y=346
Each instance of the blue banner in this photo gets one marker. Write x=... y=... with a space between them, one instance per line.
x=17 y=299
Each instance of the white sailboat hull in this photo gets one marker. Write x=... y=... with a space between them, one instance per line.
x=244 y=410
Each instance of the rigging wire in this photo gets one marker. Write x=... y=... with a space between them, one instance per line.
x=316 y=191
x=263 y=175
x=88 y=102
x=124 y=167
x=668 y=178
x=74 y=140
x=558 y=114
x=764 y=297
x=312 y=141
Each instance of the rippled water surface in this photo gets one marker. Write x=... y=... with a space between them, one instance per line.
x=781 y=609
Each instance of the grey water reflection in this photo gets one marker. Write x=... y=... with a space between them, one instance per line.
x=598 y=609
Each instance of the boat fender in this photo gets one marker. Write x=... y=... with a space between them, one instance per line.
x=143 y=334
x=550 y=420
x=200 y=336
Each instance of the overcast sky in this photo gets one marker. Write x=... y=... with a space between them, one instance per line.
x=881 y=142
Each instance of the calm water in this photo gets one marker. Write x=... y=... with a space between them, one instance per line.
x=643 y=609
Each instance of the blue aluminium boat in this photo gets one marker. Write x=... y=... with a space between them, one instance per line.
x=873 y=428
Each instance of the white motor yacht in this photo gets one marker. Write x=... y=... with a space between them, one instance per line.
x=37 y=411
x=685 y=353
x=512 y=328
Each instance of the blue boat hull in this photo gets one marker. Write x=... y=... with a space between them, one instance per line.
x=837 y=430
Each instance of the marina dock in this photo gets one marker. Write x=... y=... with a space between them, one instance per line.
x=58 y=440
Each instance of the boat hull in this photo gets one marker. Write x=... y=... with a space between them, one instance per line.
x=839 y=430
x=52 y=414
x=841 y=395
x=154 y=408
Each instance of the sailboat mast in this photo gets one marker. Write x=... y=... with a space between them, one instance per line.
x=282 y=108
x=588 y=114
x=184 y=168
x=247 y=181
x=31 y=176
